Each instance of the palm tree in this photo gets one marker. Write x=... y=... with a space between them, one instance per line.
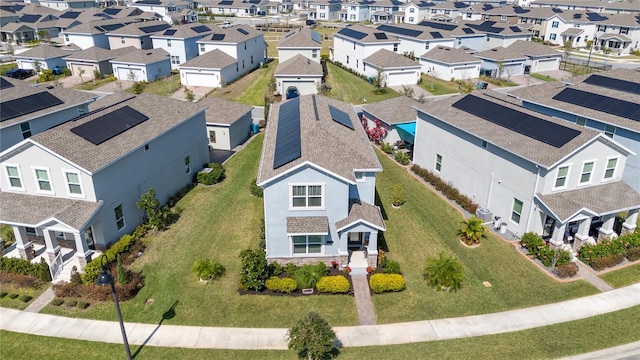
x=472 y=231
x=444 y=273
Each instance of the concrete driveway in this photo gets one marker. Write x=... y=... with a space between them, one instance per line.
x=198 y=91
x=115 y=86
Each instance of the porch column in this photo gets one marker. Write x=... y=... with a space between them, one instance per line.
x=82 y=250
x=607 y=227
x=557 y=238
x=630 y=224
x=372 y=249
x=52 y=245
x=583 y=230
x=24 y=246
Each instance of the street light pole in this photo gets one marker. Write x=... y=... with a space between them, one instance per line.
x=590 y=50
x=106 y=278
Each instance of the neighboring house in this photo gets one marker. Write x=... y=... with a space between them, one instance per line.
x=501 y=62
x=540 y=57
x=383 y=11
x=137 y=34
x=355 y=43
x=43 y=57
x=318 y=172
x=94 y=59
x=17 y=33
x=498 y=34
x=239 y=8
x=412 y=12
x=169 y=10
x=537 y=173
x=298 y=72
x=394 y=69
x=397 y=116
x=180 y=41
x=7 y=17
x=447 y=63
x=418 y=39
x=27 y=110
x=324 y=10
x=607 y=7
x=142 y=65
x=535 y=20
x=355 y=11
x=94 y=33
x=607 y=102
x=211 y=69
x=304 y=41
x=77 y=184
x=67 y=4
x=228 y=122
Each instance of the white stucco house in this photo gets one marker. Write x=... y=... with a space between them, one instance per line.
x=228 y=122
x=324 y=10
x=212 y=69
x=92 y=59
x=353 y=44
x=142 y=65
x=180 y=41
x=540 y=58
x=501 y=62
x=318 y=194
x=136 y=34
x=298 y=72
x=448 y=63
x=76 y=185
x=395 y=69
x=537 y=173
x=44 y=57
x=170 y=11
x=94 y=33
x=303 y=41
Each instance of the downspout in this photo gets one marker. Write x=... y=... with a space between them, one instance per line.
x=526 y=229
x=490 y=191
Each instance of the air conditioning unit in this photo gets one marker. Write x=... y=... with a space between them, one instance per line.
x=484 y=214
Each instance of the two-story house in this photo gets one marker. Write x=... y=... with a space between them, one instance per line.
x=180 y=41
x=136 y=34
x=324 y=10
x=299 y=62
x=355 y=43
x=169 y=10
x=94 y=33
x=412 y=12
x=537 y=173
x=318 y=170
x=77 y=184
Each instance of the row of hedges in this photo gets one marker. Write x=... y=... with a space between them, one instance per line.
x=216 y=175
x=608 y=253
x=24 y=298
x=446 y=189
x=92 y=291
x=538 y=249
x=25 y=267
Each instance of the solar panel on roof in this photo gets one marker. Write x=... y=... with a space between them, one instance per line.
x=217 y=37
x=154 y=28
x=4 y=84
x=242 y=31
x=460 y=5
x=200 y=29
x=468 y=31
x=543 y=130
x=436 y=35
x=110 y=27
x=288 y=142
x=170 y=32
x=225 y=2
x=438 y=25
x=27 y=18
x=111 y=11
x=70 y=15
x=380 y=36
x=341 y=117
x=315 y=36
x=520 y=10
x=255 y=1
x=615 y=84
x=352 y=33
x=602 y=103
x=399 y=30
x=596 y=17
x=109 y=125
x=515 y=29
x=27 y=105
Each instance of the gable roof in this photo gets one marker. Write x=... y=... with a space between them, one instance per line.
x=364 y=34
x=97 y=54
x=299 y=65
x=186 y=31
x=393 y=111
x=362 y=212
x=448 y=55
x=214 y=59
x=232 y=35
x=144 y=28
x=308 y=225
x=324 y=143
x=384 y=59
x=142 y=57
x=221 y=111
x=301 y=38
x=500 y=53
x=45 y=51
x=98 y=26
x=532 y=49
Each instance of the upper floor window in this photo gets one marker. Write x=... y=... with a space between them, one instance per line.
x=438 y=162
x=201 y=48
x=552 y=37
x=66 y=38
x=359 y=176
x=561 y=177
x=609 y=130
x=168 y=42
x=122 y=39
x=503 y=17
x=587 y=169
x=602 y=28
x=610 y=170
x=119 y=213
x=307 y=196
x=25 y=128
x=555 y=24
x=321 y=7
x=314 y=53
x=538 y=21
x=43 y=180
x=73 y=183
x=395 y=47
x=13 y=175
x=581 y=120
x=516 y=211
x=469 y=15
x=412 y=10
x=187 y=165
x=175 y=60
x=426 y=46
x=447 y=12
x=624 y=30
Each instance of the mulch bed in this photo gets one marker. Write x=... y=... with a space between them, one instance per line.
x=296 y=293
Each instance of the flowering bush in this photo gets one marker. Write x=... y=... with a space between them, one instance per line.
x=376 y=133
x=538 y=249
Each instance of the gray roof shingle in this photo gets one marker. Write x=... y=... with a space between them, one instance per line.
x=143 y=57
x=301 y=38
x=222 y=111
x=299 y=65
x=308 y=225
x=393 y=111
x=384 y=58
x=360 y=211
x=45 y=51
x=449 y=55
x=215 y=59
x=97 y=54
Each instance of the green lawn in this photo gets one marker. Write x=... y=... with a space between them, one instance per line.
x=426 y=225
x=623 y=277
x=251 y=88
x=350 y=88
x=548 y=342
x=6 y=67
x=16 y=303
x=91 y=85
x=546 y=78
x=437 y=86
x=164 y=87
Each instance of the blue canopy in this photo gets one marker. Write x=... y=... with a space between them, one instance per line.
x=408 y=127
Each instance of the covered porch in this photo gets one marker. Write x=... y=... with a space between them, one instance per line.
x=358 y=236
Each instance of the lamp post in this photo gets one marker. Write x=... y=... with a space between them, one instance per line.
x=590 y=50
x=104 y=279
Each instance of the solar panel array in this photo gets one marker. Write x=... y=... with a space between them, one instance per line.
x=4 y=84
x=341 y=117
x=615 y=84
x=225 y=2
x=315 y=36
x=399 y=30
x=109 y=27
x=170 y=32
x=380 y=36
x=601 y=103
x=515 y=29
x=543 y=130
x=27 y=105
x=468 y=30
x=242 y=31
x=436 y=35
x=109 y=125
x=70 y=15
x=148 y=2
x=27 y=18
x=200 y=29
x=596 y=17
x=154 y=28
x=438 y=25
x=217 y=37
x=352 y=33
x=111 y=11
x=288 y=142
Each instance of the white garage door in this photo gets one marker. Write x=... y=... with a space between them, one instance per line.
x=511 y=70
x=304 y=87
x=195 y=79
x=125 y=74
x=88 y=70
x=401 y=78
x=547 y=65
x=27 y=65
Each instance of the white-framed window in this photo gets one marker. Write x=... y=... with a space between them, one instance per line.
x=503 y=17
x=25 y=129
x=30 y=231
x=581 y=120
x=168 y=42
x=438 y=162
x=66 y=38
x=309 y=196
x=175 y=59
x=201 y=49
x=314 y=53
x=552 y=37
x=434 y=11
x=187 y=165
x=322 y=7
x=538 y=22
x=212 y=136
x=610 y=170
x=602 y=28
x=411 y=19
x=609 y=130
x=516 y=211
x=469 y=15
x=321 y=15
x=447 y=12
x=43 y=180
x=561 y=177
x=306 y=244
x=83 y=109
x=122 y=39
x=74 y=186
x=14 y=178
x=555 y=24
x=587 y=170
x=347 y=59
x=119 y=213
x=485 y=144
x=395 y=47
x=359 y=175
x=412 y=10
x=624 y=30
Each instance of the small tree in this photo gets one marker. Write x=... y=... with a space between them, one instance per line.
x=208 y=269
x=472 y=231
x=81 y=72
x=151 y=206
x=312 y=338
x=397 y=195
x=254 y=272
x=122 y=275
x=189 y=95
x=444 y=273
x=378 y=82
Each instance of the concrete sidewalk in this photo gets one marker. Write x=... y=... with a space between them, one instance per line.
x=198 y=337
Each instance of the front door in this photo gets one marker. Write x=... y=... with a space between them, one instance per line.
x=354 y=241
x=549 y=225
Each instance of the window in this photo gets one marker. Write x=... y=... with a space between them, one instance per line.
x=538 y=22
x=447 y=12
x=602 y=28
x=321 y=7
x=587 y=168
x=438 y=162
x=412 y=10
x=395 y=47
x=561 y=177
x=426 y=46
x=25 y=128
x=503 y=17
x=552 y=37
x=357 y=63
x=434 y=11
x=119 y=217
x=347 y=59
x=609 y=130
x=73 y=183
x=469 y=15
x=517 y=211
x=611 y=168
x=354 y=45
x=321 y=15
x=122 y=39
x=66 y=38
x=555 y=24
x=307 y=244
x=15 y=180
x=484 y=144
x=306 y=196
x=175 y=60
x=359 y=176
x=82 y=109
x=30 y=231
x=251 y=59
x=581 y=120
x=314 y=53
x=43 y=180
x=212 y=136
x=168 y=42
x=201 y=49
x=459 y=41
x=410 y=19
x=187 y=165
x=624 y=30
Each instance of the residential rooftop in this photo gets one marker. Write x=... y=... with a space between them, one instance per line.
x=223 y=112
x=393 y=111
x=299 y=65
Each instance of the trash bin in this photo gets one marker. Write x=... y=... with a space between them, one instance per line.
x=496 y=222
x=255 y=128
x=503 y=228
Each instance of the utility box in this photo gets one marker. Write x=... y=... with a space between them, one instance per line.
x=484 y=214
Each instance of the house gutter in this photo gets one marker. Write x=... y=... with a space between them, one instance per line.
x=533 y=196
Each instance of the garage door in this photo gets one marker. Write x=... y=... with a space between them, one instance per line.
x=511 y=70
x=547 y=65
x=195 y=79
x=402 y=78
x=88 y=70
x=125 y=74
x=27 y=65
x=304 y=87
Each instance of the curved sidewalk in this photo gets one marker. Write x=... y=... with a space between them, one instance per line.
x=350 y=336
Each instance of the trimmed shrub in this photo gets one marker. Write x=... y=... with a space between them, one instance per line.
x=390 y=266
x=308 y=275
x=446 y=189
x=13 y=296
x=566 y=270
x=380 y=283
x=216 y=175
x=3 y=294
x=72 y=303
x=25 y=298
x=386 y=148
x=403 y=158
x=633 y=254
x=284 y=285
x=208 y=269
x=25 y=267
x=333 y=284
x=254 y=271
x=57 y=302
x=606 y=261
x=613 y=250
x=93 y=269
x=538 y=249
x=82 y=305
x=256 y=190
x=291 y=269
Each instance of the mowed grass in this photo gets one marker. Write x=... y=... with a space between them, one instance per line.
x=437 y=86
x=216 y=222
x=549 y=342
x=251 y=89
x=623 y=277
x=425 y=226
x=164 y=87
x=350 y=88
